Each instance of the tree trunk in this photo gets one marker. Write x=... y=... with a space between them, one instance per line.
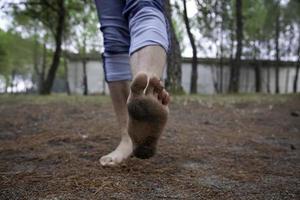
x=47 y=86
x=85 y=81
x=295 y=84
x=222 y=47
x=257 y=77
x=268 y=70
x=41 y=78
x=228 y=80
x=257 y=70
x=221 y=13
x=277 y=35
x=268 y=80
x=36 y=76
x=235 y=70
x=6 y=84
x=12 y=83
x=66 y=75
x=173 y=82
x=194 y=73
x=214 y=72
x=221 y=75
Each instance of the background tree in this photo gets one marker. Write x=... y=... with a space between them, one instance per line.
x=235 y=70
x=51 y=14
x=61 y=21
x=255 y=14
x=173 y=81
x=46 y=11
x=194 y=73
x=15 y=56
x=84 y=34
x=292 y=13
x=277 y=36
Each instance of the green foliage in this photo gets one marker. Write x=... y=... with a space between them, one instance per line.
x=215 y=19
x=37 y=19
x=292 y=11
x=255 y=14
x=85 y=32
x=15 y=53
x=177 y=22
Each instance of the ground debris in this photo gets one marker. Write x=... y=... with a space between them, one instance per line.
x=210 y=150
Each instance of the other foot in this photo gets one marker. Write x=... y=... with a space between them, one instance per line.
x=148 y=112
x=121 y=153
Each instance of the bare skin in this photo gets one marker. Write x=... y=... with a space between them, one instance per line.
x=119 y=92
x=147 y=106
x=148 y=113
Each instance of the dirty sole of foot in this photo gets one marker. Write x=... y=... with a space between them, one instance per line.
x=147 y=120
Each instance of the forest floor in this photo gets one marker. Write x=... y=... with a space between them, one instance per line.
x=214 y=147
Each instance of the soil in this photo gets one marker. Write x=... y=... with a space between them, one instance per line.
x=212 y=148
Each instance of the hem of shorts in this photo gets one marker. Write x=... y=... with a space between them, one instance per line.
x=152 y=43
x=112 y=79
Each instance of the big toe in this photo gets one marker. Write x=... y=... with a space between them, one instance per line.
x=154 y=87
x=139 y=84
x=107 y=161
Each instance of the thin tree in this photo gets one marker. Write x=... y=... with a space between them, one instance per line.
x=256 y=69
x=59 y=30
x=173 y=82
x=223 y=8
x=295 y=84
x=194 y=73
x=235 y=69
x=292 y=12
x=66 y=70
x=44 y=64
x=277 y=36
x=84 y=61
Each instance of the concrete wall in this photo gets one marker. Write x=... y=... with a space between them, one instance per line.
x=207 y=73
x=95 y=77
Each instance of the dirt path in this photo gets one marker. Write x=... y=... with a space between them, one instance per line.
x=246 y=149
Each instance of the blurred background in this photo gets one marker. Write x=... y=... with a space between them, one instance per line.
x=234 y=46
x=242 y=143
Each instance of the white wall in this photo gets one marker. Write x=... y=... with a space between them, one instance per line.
x=206 y=76
x=95 y=77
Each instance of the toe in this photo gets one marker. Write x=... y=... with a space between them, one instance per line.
x=162 y=95
x=165 y=99
x=106 y=160
x=154 y=86
x=139 y=84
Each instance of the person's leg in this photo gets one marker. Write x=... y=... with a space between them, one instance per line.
x=148 y=101
x=119 y=91
x=117 y=71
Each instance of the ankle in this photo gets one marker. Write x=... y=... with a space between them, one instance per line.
x=126 y=137
x=148 y=73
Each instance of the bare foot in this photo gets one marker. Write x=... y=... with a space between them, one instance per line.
x=121 y=153
x=148 y=113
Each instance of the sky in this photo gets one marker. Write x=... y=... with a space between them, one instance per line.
x=4 y=19
x=209 y=47
x=5 y=22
